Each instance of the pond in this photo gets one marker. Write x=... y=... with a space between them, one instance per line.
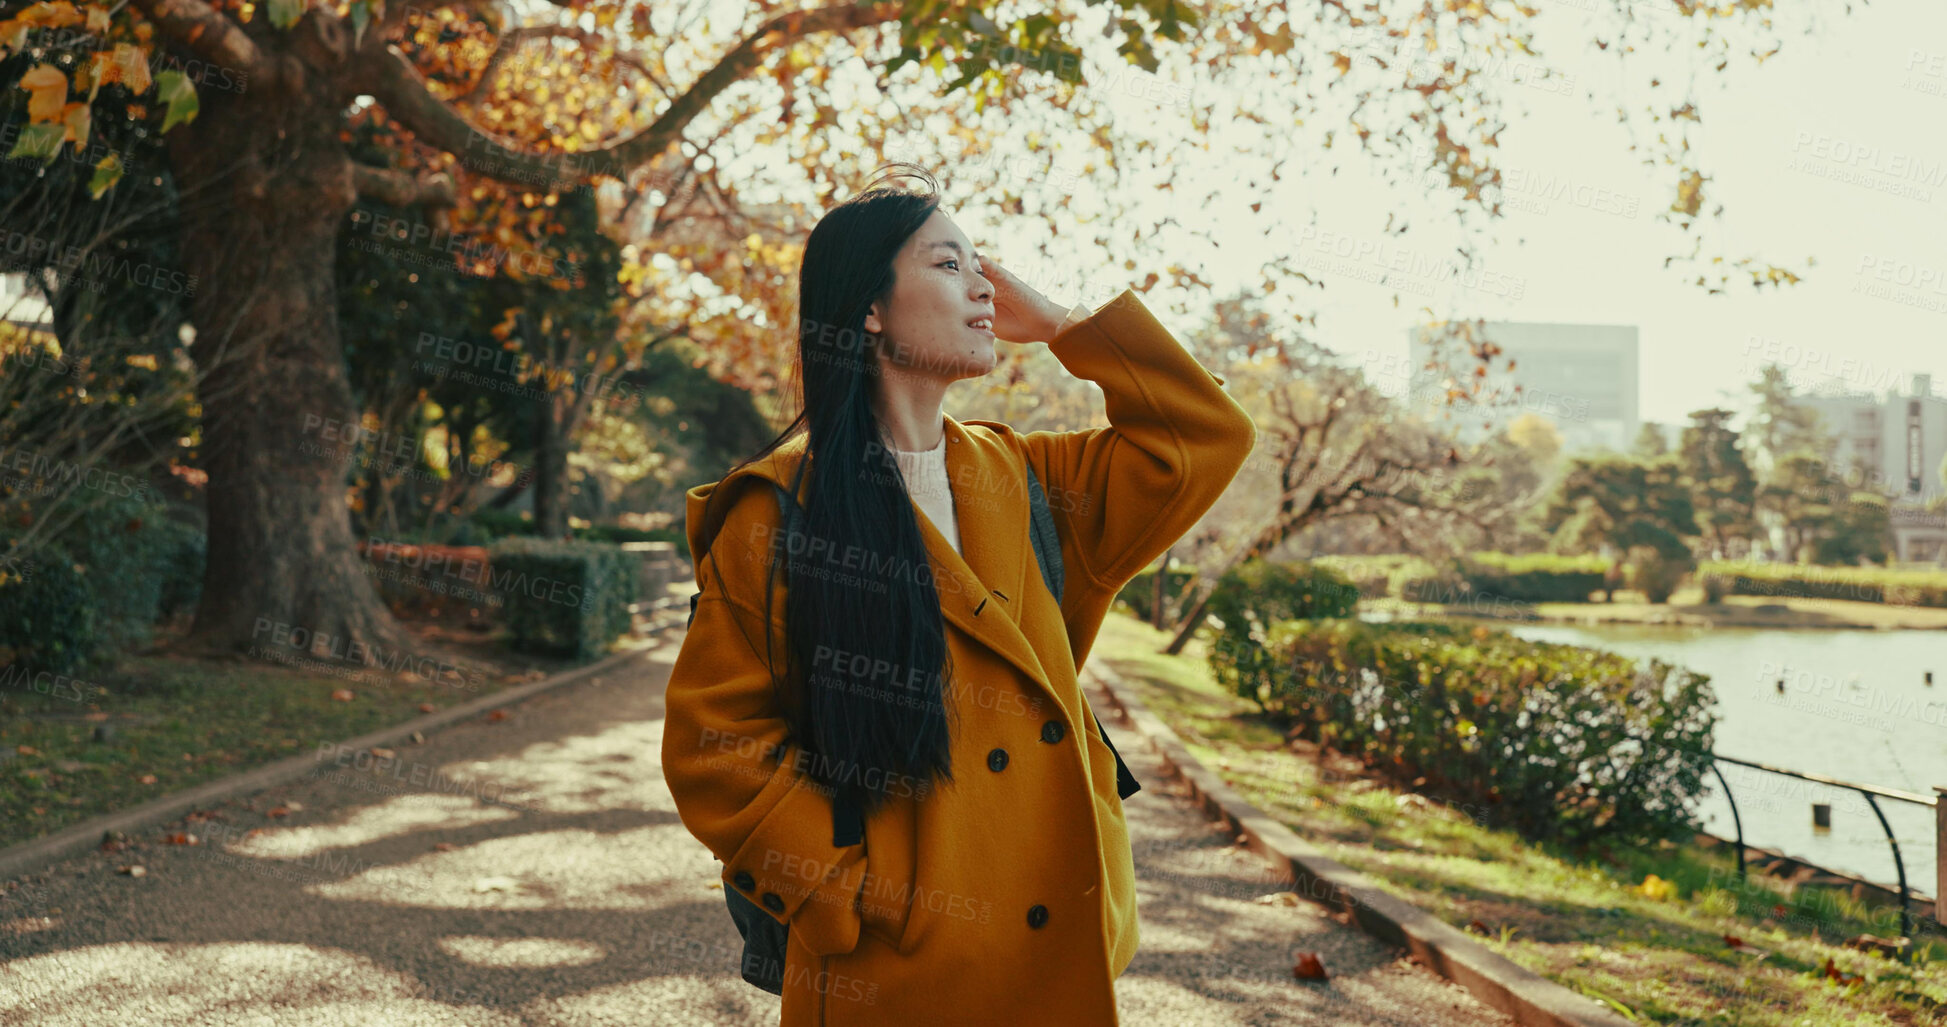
x=1855 y=706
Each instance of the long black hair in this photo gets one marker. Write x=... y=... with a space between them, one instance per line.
x=866 y=643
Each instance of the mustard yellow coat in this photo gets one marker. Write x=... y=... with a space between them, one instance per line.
x=1007 y=896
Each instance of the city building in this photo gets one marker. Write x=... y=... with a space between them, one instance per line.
x=1583 y=378
x=1893 y=444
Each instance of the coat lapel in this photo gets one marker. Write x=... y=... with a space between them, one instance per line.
x=982 y=592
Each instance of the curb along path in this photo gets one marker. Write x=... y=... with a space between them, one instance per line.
x=560 y=888
x=1528 y=997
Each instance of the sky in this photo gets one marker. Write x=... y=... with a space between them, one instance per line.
x=1831 y=151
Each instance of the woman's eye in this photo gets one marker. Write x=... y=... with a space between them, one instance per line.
x=955 y=263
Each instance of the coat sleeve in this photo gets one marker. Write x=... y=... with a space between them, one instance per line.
x=1123 y=494
x=738 y=785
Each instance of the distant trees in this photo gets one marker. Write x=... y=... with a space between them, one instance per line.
x=1723 y=488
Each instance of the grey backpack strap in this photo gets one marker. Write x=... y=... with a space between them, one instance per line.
x=1041 y=531
x=1047 y=553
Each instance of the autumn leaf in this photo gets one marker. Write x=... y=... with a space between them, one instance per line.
x=1308 y=967
x=285 y=13
x=175 y=89
x=47 y=89
x=76 y=120
x=341 y=695
x=107 y=173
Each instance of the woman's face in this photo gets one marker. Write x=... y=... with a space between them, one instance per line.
x=937 y=290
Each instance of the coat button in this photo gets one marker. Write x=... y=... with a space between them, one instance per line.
x=1052 y=731
x=1037 y=915
x=744 y=880
x=773 y=903
x=997 y=760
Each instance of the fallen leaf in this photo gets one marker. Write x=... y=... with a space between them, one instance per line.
x=342 y=695
x=133 y=871
x=147 y=779
x=443 y=847
x=497 y=715
x=180 y=838
x=1308 y=968
x=427 y=707
x=384 y=754
x=277 y=811
x=1734 y=941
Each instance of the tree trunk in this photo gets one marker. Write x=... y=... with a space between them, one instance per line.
x=1156 y=616
x=550 y=470
x=265 y=186
x=1191 y=622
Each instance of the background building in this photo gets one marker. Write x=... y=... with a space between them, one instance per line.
x=1581 y=377
x=1893 y=444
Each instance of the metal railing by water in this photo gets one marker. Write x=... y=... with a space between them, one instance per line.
x=1873 y=794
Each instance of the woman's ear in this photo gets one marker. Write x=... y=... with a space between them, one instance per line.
x=872 y=322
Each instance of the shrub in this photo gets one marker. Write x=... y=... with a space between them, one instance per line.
x=1861 y=584
x=1536 y=577
x=1257 y=593
x=564 y=598
x=498 y=524
x=1554 y=741
x=618 y=533
x=1653 y=573
x=114 y=571
x=47 y=621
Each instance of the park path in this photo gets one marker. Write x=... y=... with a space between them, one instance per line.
x=532 y=870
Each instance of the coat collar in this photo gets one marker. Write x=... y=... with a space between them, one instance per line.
x=982 y=592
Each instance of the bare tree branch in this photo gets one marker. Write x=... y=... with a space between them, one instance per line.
x=208 y=33
x=402 y=189
x=510 y=41
x=391 y=77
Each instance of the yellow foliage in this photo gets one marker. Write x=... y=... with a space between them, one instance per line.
x=1655 y=887
x=47 y=90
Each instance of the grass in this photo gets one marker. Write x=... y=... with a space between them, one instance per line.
x=177 y=722
x=1582 y=922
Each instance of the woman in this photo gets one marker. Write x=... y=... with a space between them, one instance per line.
x=902 y=650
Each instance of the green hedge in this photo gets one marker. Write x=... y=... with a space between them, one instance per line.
x=1257 y=593
x=100 y=587
x=563 y=598
x=1504 y=578
x=618 y=533
x=1862 y=584
x=1555 y=741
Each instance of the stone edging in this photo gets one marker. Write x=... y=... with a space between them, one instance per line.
x=31 y=856
x=1527 y=997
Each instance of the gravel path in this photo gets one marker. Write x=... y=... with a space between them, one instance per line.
x=532 y=871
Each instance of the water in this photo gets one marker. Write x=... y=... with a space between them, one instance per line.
x=1855 y=707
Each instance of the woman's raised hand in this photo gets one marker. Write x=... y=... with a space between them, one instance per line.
x=1021 y=314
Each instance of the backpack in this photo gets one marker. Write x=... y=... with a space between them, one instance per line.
x=764 y=937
